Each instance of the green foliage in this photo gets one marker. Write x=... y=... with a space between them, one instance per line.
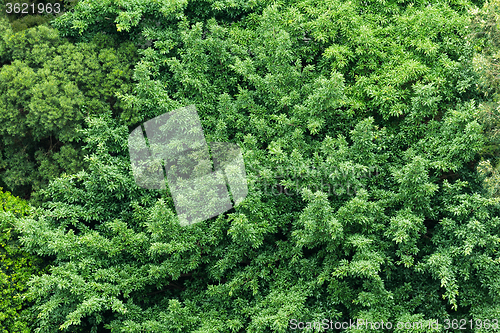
x=46 y=89
x=486 y=35
x=357 y=123
x=16 y=267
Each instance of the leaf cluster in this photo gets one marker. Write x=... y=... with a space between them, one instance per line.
x=48 y=86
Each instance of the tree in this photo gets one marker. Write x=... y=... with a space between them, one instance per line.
x=358 y=130
x=48 y=86
x=16 y=268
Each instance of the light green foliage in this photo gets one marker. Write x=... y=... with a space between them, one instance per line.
x=486 y=36
x=16 y=268
x=46 y=89
x=363 y=112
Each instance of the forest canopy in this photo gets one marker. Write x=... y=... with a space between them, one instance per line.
x=368 y=131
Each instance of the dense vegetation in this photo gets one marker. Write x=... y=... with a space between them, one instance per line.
x=17 y=267
x=47 y=86
x=369 y=132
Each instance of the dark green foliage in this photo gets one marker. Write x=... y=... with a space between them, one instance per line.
x=16 y=268
x=47 y=87
x=486 y=37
